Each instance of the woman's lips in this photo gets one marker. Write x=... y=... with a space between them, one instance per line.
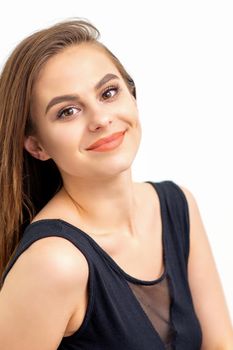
x=108 y=143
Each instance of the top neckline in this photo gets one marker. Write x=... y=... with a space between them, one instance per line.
x=108 y=257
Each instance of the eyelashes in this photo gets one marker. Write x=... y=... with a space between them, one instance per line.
x=108 y=94
x=115 y=88
x=62 y=113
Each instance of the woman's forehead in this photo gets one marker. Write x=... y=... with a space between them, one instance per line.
x=81 y=58
x=84 y=62
x=78 y=67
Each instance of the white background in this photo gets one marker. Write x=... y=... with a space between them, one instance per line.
x=180 y=56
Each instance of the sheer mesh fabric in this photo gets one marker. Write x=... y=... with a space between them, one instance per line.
x=155 y=300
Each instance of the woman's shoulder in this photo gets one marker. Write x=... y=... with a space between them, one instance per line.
x=60 y=256
x=52 y=273
x=193 y=207
x=57 y=256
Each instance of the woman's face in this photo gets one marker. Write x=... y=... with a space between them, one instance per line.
x=99 y=105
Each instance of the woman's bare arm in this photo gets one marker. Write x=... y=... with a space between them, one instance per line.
x=205 y=284
x=40 y=295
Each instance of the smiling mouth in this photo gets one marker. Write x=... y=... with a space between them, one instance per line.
x=107 y=141
x=108 y=144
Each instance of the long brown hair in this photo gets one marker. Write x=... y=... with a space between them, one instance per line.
x=26 y=183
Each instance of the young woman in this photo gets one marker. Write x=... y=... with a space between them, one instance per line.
x=89 y=258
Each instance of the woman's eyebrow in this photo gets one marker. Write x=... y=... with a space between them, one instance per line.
x=105 y=79
x=75 y=97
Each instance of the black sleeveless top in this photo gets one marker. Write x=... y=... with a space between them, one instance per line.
x=124 y=312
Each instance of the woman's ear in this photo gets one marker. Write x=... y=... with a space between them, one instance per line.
x=33 y=146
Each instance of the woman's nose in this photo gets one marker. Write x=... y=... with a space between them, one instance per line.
x=99 y=118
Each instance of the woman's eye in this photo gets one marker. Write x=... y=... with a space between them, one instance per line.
x=110 y=92
x=67 y=112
